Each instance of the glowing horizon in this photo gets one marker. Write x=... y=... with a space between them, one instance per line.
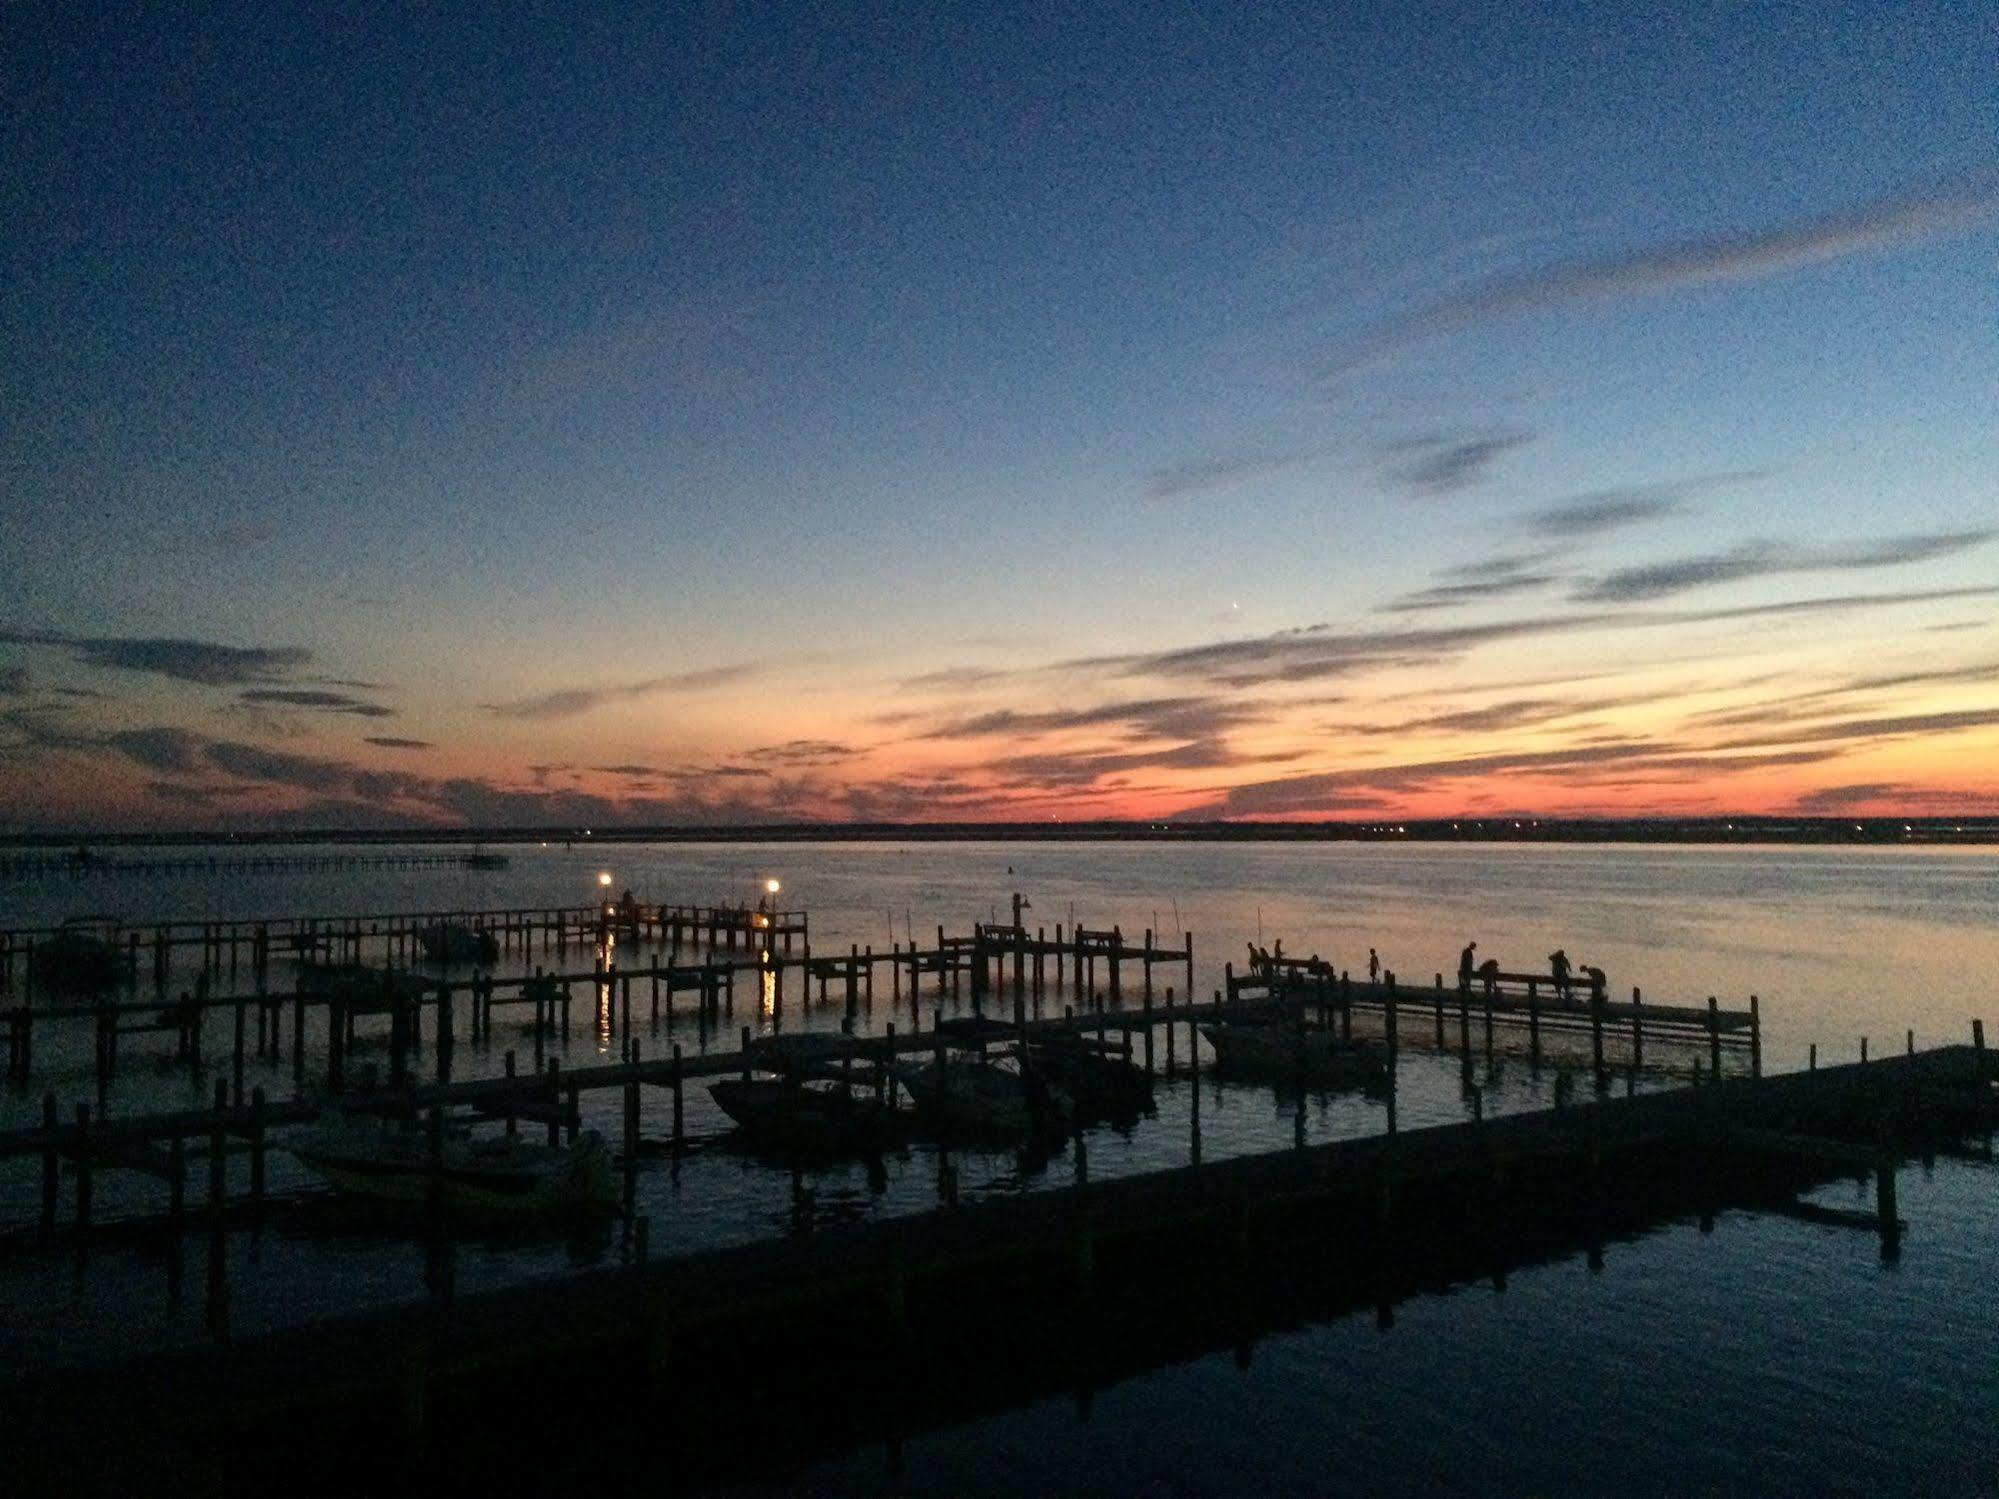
x=704 y=420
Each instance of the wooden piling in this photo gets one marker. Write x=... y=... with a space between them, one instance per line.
x=218 y=1195
x=446 y=1030
x=629 y=1157
x=51 y=1166
x=84 y=1172
x=1596 y=1004
x=258 y=1106
x=554 y=1076
x=1884 y=1204
x=1388 y=1023
x=679 y=1090
x=176 y=1211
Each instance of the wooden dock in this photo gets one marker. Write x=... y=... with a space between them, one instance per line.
x=1533 y=1003
x=87 y=865
x=1202 y=1249
x=394 y=938
x=978 y=964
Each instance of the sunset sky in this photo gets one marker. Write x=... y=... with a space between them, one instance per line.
x=725 y=414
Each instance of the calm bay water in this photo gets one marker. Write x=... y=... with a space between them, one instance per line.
x=1767 y=1351
x=1838 y=942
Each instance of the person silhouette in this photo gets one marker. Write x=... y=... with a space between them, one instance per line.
x=1558 y=966
x=1373 y=967
x=1467 y=961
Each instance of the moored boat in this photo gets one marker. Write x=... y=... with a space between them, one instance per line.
x=986 y=1096
x=1286 y=1052
x=392 y=1162
x=797 y=1116
x=360 y=985
x=450 y=943
x=1100 y=1080
x=82 y=958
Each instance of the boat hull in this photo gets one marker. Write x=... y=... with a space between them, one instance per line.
x=1101 y=1085
x=981 y=1100
x=1286 y=1054
x=505 y=1178
x=796 y=1120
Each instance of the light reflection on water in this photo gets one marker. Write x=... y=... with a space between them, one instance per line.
x=1838 y=943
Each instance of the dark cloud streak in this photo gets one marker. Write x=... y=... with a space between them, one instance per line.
x=568 y=702
x=1915 y=214
x=202 y=662
x=1762 y=559
x=1433 y=466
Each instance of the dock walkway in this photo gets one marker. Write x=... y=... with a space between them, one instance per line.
x=1470 y=1198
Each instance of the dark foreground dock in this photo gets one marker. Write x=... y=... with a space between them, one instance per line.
x=1059 y=1287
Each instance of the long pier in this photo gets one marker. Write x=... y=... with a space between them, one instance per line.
x=1535 y=1003
x=1384 y=1216
x=85 y=865
x=978 y=963
x=548 y=1094
x=395 y=937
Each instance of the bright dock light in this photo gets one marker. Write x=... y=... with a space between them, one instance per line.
x=604 y=879
x=772 y=886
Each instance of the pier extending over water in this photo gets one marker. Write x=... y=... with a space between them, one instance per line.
x=292 y=963
x=1201 y=1252
x=87 y=864
x=1458 y=1199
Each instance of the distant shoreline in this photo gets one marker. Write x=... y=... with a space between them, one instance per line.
x=1715 y=830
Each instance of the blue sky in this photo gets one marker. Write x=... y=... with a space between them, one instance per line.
x=486 y=355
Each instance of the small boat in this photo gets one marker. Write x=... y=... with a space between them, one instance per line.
x=391 y=1162
x=450 y=943
x=799 y=1116
x=82 y=958
x=308 y=945
x=1099 y=1078
x=1286 y=1052
x=358 y=985
x=987 y=1095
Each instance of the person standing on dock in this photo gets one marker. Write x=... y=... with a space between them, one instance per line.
x=1467 y=961
x=1373 y=967
x=1558 y=966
